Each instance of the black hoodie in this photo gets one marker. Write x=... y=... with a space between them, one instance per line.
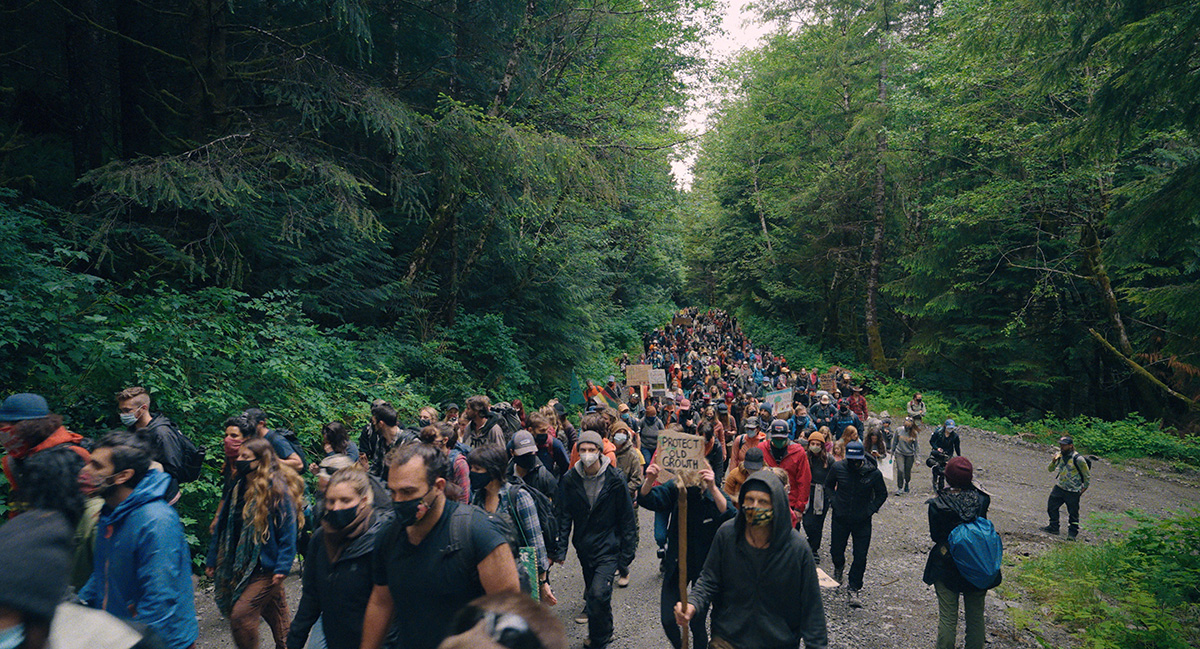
x=762 y=598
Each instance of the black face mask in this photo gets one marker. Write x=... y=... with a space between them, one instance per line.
x=424 y=422
x=406 y=510
x=479 y=480
x=243 y=466
x=854 y=464
x=541 y=439
x=340 y=519
x=527 y=461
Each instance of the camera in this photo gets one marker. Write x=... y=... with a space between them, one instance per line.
x=938 y=458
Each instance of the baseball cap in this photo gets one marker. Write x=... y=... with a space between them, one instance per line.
x=824 y=398
x=780 y=428
x=684 y=404
x=752 y=423
x=1065 y=440
x=854 y=451
x=25 y=405
x=722 y=406
x=754 y=459
x=622 y=407
x=612 y=379
x=523 y=443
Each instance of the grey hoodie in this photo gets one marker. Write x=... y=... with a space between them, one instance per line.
x=762 y=598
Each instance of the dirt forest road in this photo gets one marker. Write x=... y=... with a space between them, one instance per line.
x=900 y=612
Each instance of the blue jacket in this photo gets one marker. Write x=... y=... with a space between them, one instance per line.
x=143 y=569
x=279 y=551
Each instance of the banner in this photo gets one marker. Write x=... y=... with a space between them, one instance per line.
x=779 y=400
x=637 y=375
x=576 y=398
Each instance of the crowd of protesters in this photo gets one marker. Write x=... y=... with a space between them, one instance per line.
x=445 y=531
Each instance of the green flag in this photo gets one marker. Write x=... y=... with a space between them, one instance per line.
x=576 y=391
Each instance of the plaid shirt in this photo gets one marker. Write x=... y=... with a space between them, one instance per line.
x=525 y=518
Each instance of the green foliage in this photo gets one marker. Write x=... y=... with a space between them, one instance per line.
x=1137 y=591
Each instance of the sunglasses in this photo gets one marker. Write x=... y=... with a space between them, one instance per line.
x=508 y=630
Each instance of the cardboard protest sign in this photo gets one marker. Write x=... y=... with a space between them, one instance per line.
x=658 y=382
x=679 y=452
x=779 y=400
x=637 y=375
x=829 y=382
x=682 y=321
x=825 y=580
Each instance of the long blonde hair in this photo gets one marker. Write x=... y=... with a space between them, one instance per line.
x=267 y=486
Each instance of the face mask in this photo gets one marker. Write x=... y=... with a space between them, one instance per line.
x=91 y=484
x=625 y=417
x=759 y=516
x=232 y=447
x=779 y=442
x=620 y=439
x=409 y=512
x=340 y=519
x=424 y=422
x=854 y=464
x=479 y=480
x=527 y=461
x=815 y=449
x=589 y=459
x=243 y=466
x=541 y=439
x=128 y=419
x=12 y=637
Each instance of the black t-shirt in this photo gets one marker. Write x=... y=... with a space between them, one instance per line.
x=431 y=582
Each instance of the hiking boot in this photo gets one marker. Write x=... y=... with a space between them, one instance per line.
x=582 y=617
x=899 y=491
x=1050 y=530
x=853 y=598
x=623 y=581
x=837 y=574
x=905 y=488
x=1072 y=534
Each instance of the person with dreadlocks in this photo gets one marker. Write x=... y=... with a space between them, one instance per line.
x=254 y=543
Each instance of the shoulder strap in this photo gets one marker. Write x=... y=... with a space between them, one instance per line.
x=460 y=528
x=511 y=491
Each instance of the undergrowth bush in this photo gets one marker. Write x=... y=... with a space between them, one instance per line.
x=1138 y=592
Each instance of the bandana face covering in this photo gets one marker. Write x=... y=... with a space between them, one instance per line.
x=759 y=516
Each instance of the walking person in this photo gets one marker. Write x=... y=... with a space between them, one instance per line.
x=916 y=408
x=593 y=497
x=780 y=451
x=434 y=557
x=819 y=464
x=1074 y=478
x=857 y=490
x=960 y=502
x=337 y=576
x=905 y=448
x=254 y=544
x=759 y=577
x=143 y=568
x=708 y=509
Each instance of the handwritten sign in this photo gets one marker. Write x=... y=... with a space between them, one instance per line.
x=829 y=382
x=680 y=452
x=682 y=321
x=657 y=380
x=779 y=400
x=637 y=375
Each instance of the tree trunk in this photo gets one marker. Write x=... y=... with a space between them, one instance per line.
x=208 y=99
x=520 y=40
x=874 y=339
x=758 y=207
x=89 y=53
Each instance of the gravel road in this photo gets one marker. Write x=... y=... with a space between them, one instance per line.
x=900 y=611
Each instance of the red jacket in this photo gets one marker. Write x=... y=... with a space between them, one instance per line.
x=795 y=462
x=858 y=405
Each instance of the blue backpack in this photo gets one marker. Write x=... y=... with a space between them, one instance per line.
x=977 y=551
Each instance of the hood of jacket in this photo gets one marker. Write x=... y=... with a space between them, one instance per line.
x=781 y=527
x=965 y=504
x=153 y=486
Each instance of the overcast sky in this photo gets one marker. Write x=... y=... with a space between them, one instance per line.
x=740 y=32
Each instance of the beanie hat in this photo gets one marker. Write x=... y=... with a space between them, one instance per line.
x=959 y=472
x=37 y=549
x=590 y=437
x=816 y=436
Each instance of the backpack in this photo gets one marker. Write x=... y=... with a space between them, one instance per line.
x=508 y=418
x=545 y=512
x=182 y=451
x=977 y=551
x=293 y=441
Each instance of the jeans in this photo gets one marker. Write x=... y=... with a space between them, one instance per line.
x=840 y=531
x=662 y=522
x=667 y=600
x=598 y=584
x=316 y=636
x=904 y=471
x=948 y=617
x=260 y=599
x=1059 y=496
x=814 y=529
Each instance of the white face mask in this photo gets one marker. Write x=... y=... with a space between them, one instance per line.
x=589 y=459
x=620 y=439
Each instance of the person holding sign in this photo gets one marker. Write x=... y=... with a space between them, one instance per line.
x=782 y=452
x=593 y=497
x=759 y=577
x=708 y=508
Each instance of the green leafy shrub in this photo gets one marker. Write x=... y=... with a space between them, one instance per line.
x=1141 y=591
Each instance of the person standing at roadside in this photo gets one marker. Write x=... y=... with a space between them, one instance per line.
x=857 y=490
x=1074 y=478
x=960 y=502
x=916 y=408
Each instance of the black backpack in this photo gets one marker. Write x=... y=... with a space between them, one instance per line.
x=545 y=512
x=293 y=440
x=508 y=418
x=182 y=451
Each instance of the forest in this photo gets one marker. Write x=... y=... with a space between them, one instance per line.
x=306 y=204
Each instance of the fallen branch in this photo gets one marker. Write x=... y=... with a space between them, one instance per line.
x=1144 y=373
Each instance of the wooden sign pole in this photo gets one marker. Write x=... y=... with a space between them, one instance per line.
x=683 y=567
